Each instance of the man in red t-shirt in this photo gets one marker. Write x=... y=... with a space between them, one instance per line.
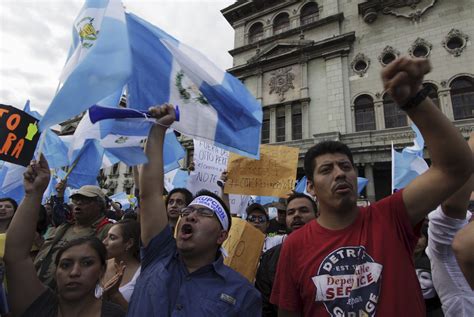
x=358 y=261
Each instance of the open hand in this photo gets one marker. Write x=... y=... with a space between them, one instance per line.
x=403 y=78
x=112 y=286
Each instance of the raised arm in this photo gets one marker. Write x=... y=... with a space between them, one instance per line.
x=456 y=205
x=23 y=284
x=153 y=217
x=452 y=161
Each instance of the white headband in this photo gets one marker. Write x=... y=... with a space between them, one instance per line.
x=215 y=206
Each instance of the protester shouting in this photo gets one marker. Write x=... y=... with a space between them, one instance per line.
x=79 y=264
x=186 y=276
x=358 y=261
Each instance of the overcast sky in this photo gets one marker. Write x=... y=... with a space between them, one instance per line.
x=35 y=36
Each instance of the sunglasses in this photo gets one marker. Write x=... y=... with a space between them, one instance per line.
x=259 y=219
x=202 y=212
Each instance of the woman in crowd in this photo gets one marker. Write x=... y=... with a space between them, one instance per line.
x=8 y=207
x=123 y=269
x=80 y=264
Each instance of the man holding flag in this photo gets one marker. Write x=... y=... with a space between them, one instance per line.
x=184 y=276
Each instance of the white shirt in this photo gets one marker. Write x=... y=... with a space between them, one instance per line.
x=455 y=294
x=128 y=288
x=272 y=241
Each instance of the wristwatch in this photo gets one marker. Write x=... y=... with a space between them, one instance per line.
x=417 y=99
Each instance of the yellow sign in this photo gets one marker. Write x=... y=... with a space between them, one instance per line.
x=244 y=246
x=273 y=175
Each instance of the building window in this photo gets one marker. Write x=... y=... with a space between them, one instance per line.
x=309 y=13
x=281 y=23
x=433 y=93
x=115 y=169
x=462 y=97
x=280 y=124
x=266 y=126
x=296 y=122
x=364 y=113
x=394 y=117
x=128 y=190
x=256 y=32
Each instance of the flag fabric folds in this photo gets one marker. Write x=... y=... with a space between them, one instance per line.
x=214 y=106
x=408 y=164
x=98 y=64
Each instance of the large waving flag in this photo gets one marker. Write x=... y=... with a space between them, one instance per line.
x=215 y=106
x=98 y=64
x=86 y=165
x=408 y=164
x=11 y=181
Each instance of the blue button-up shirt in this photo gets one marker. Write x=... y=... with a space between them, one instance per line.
x=165 y=288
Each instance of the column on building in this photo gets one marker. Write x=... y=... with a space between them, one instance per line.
x=379 y=115
x=370 y=189
x=335 y=93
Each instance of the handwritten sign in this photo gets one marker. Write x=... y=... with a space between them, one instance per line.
x=273 y=175
x=18 y=135
x=238 y=203
x=209 y=163
x=244 y=246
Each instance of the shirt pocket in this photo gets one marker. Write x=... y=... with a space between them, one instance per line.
x=217 y=307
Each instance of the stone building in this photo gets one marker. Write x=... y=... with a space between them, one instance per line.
x=315 y=66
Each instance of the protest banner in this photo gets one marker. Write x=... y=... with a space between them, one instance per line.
x=18 y=135
x=273 y=175
x=244 y=247
x=238 y=203
x=209 y=163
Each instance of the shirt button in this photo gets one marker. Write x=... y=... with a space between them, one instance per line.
x=179 y=307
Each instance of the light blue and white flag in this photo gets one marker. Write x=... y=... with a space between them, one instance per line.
x=89 y=161
x=215 y=106
x=408 y=164
x=361 y=183
x=99 y=61
x=301 y=185
x=176 y=178
x=11 y=177
x=122 y=198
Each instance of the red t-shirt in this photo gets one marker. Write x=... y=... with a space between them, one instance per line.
x=365 y=269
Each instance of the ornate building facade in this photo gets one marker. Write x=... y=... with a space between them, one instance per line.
x=315 y=67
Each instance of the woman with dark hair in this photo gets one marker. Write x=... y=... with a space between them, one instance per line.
x=8 y=207
x=123 y=249
x=80 y=264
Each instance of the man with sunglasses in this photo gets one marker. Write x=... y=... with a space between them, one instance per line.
x=89 y=220
x=258 y=217
x=186 y=276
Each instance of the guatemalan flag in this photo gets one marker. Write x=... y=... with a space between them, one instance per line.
x=215 y=106
x=99 y=61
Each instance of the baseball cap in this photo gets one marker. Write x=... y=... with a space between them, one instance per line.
x=256 y=207
x=89 y=191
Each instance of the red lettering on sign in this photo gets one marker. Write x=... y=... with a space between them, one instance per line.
x=18 y=147
x=8 y=143
x=2 y=111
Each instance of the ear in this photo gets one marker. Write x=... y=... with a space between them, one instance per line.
x=129 y=244
x=310 y=188
x=222 y=236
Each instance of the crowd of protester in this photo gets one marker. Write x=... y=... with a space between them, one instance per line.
x=410 y=254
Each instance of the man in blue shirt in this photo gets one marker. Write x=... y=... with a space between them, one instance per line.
x=186 y=276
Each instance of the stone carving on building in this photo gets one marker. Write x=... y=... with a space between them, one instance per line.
x=455 y=42
x=281 y=81
x=408 y=9
x=420 y=48
x=388 y=55
x=360 y=64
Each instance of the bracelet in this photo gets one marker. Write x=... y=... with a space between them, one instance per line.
x=417 y=99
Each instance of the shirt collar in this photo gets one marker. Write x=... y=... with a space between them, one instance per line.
x=217 y=266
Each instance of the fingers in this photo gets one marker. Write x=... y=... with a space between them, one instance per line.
x=416 y=68
x=43 y=163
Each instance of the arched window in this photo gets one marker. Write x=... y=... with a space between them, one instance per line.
x=364 y=113
x=309 y=13
x=256 y=32
x=281 y=23
x=433 y=93
x=462 y=97
x=394 y=117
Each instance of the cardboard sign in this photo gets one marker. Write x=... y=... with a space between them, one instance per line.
x=273 y=175
x=18 y=135
x=244 y=246
x=209 y=163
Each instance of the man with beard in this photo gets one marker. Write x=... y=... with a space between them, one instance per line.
x=300 y=210
x=186 y=276
x=89 y=220
x=358 y=260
